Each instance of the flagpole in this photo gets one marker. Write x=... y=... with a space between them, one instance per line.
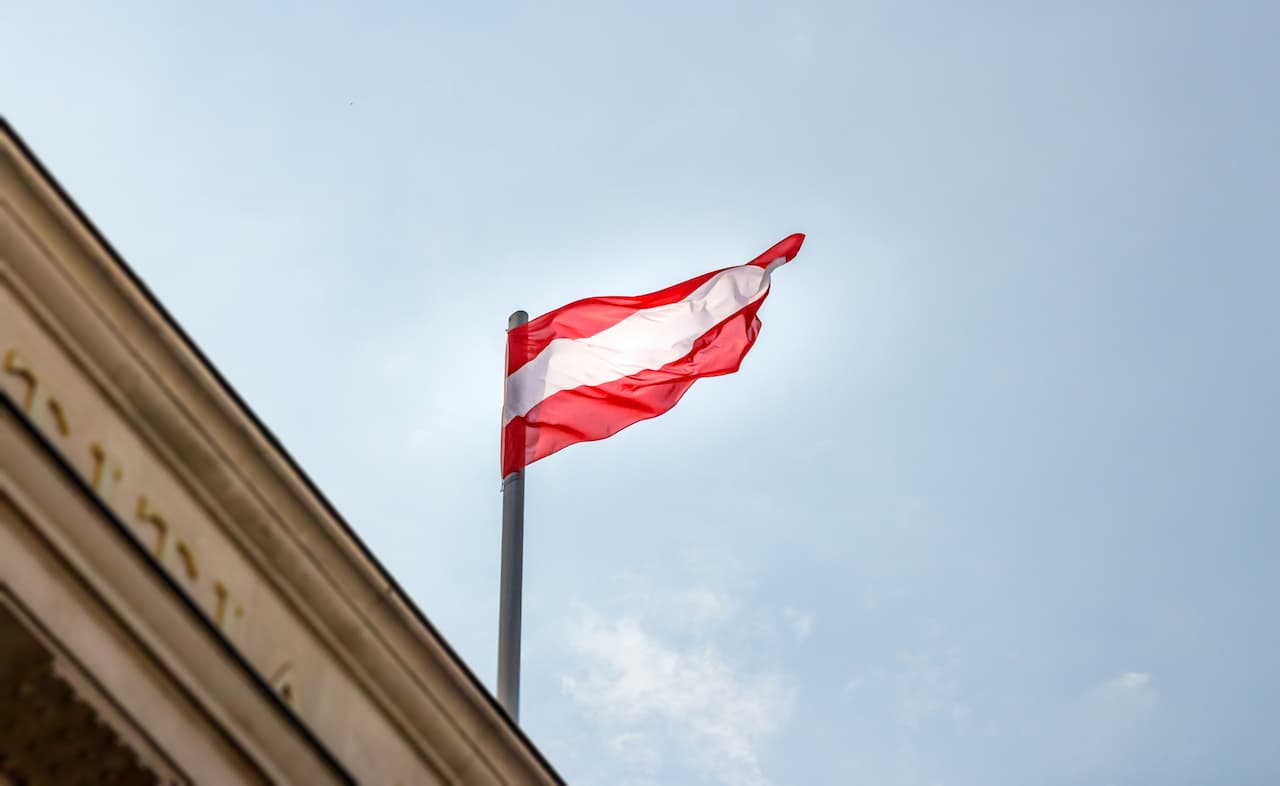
x=512 y=575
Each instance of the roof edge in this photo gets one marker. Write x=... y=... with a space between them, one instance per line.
x=275 y=464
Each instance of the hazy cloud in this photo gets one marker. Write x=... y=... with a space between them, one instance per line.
x=1111 y=731
x=640 y=688
x=634 y=746
x=1122 y=702
x=801 y=622
x=1132 y=680
x=694 y=609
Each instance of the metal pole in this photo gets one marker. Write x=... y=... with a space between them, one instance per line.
x=512 y=576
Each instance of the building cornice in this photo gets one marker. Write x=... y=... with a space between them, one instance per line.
x=159 y=381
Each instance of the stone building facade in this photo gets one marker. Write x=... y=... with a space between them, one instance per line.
x=178 y=603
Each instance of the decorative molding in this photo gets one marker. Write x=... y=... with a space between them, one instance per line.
x=147 y=377
x=55 y=729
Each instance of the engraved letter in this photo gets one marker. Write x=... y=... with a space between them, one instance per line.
x=59 y=416
x=106 y=472
x=149 y=515
x=282 y=681
x=16 y=365
x=188 y=560
x=224 y=605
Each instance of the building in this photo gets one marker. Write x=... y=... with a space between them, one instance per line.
x=178 y=603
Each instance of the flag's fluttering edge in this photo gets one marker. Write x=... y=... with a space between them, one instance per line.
x=590 y=369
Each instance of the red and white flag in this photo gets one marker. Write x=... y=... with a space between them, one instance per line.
x=590 y=369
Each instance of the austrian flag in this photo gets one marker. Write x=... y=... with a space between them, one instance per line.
x=590 y=369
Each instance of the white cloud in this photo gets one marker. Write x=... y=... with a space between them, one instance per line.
x=1132 y=695
x=801 y=621
x=927 y=691
x=1123 y=703
x=1113 y=726
x=634 y=746
x=696 y=610
x=700 y=607
x=639 y=689
x=1132 y=680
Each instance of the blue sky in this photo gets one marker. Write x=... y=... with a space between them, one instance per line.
x=993 y=500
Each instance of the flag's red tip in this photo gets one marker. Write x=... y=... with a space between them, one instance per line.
x=791 y=245
x=787 y=248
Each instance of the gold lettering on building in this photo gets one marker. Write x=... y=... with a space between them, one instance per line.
x=225 y=607
x=188 y=560
x=282 y=681
x=148 y=514
x=107 y=474
x=16 y=366
x=59 y=416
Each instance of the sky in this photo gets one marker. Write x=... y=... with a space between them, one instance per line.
x=994 y=499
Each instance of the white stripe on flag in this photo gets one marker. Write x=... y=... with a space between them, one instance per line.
x=646 y=339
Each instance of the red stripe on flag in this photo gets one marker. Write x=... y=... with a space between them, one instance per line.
x=590 y=413
x=587 y=317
